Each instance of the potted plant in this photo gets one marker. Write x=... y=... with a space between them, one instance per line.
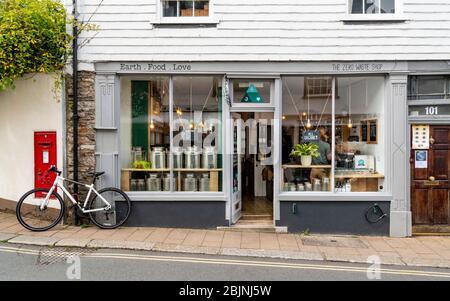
x=306 y=151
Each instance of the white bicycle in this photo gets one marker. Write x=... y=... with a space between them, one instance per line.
x=41 y=209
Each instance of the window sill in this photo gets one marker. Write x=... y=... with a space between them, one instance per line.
x=147 y=196
x=199 y=21
x=374 y=18
x=335 y=197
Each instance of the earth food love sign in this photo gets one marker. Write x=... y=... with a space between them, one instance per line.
x=156 y=67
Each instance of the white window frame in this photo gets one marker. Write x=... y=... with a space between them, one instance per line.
x=236 y=104
x=395 y=17
x=160 y=19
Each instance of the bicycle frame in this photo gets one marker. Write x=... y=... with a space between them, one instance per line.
x=91 y=188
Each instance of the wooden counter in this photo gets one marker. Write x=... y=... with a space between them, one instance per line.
x=361 y=181
x=304 y=167
x=358 y=175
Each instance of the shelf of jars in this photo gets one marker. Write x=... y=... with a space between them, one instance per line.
x=306 y=178
x=193 y=170
x=186 y=179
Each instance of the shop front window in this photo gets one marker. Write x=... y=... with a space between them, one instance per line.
x=148 y=161
x=306 y=134
x=359 y=137
x=317 y=158
x=144 y=118
x=196 y=154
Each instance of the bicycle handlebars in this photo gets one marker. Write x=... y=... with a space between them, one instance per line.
x=54 y=169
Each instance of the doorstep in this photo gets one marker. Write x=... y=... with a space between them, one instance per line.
x=254 y=228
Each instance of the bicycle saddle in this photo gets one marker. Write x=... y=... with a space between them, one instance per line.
x=96 y=174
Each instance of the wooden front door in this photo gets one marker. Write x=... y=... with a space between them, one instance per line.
x=430 y=180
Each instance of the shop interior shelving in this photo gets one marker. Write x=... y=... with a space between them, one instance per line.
x=214 y=174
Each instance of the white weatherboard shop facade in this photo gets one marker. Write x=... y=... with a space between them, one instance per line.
x=200 y=103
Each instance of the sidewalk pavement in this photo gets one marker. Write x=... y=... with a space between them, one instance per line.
x=426 y=251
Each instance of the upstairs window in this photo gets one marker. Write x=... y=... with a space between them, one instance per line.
x=372 y=6
x=185 y=8
x=429 y=87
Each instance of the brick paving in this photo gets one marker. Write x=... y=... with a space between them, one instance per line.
x=433 y=251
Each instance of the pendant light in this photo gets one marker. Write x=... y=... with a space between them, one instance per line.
x=350 y=124
x=308 y=123
x=150 y=87
x=191 y=121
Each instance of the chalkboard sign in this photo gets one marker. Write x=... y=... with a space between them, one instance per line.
x=369 y=131
x=364 y=131
x=373 y=131
x=311 y=136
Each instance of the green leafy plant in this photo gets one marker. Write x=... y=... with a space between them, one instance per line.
x=305 y=149
x=33 y=38
x=142 y=164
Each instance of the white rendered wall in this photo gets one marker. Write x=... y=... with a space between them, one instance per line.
x=30 y=107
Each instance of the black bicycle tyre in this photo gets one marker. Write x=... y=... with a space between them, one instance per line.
x=34 y=229
x=125 y=196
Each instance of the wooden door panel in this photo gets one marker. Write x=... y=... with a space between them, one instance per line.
x=439 y=164
x=440 y=206
x=430 y=200
x=419 y=173
x=419 y=206
x=440 y=136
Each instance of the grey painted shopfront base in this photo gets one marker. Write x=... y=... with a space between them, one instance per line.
x=332 y=217
x=179 y=214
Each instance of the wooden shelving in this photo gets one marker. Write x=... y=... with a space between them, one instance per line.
x=213 y=176
x=303 y=166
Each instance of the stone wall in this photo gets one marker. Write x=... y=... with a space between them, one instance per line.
x=86 y=129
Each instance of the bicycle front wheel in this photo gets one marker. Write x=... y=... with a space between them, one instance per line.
x=114 y=217
x=36 y=216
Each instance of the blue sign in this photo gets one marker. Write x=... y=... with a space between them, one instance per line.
x=311 y=136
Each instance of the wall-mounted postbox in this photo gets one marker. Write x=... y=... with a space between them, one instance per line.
x=44 y=158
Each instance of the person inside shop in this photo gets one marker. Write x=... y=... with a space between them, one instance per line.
x=324 y=157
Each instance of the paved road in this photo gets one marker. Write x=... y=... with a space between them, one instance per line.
x=31 y=263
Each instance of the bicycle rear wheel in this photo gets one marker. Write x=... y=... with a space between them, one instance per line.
x=33 y=217
x=117 y=215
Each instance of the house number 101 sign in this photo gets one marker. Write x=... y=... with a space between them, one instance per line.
x=431 y=111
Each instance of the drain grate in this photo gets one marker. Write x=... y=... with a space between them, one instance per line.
x=49 y=256
x=346 y=242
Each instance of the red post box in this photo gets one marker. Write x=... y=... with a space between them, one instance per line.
x=44 y=158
